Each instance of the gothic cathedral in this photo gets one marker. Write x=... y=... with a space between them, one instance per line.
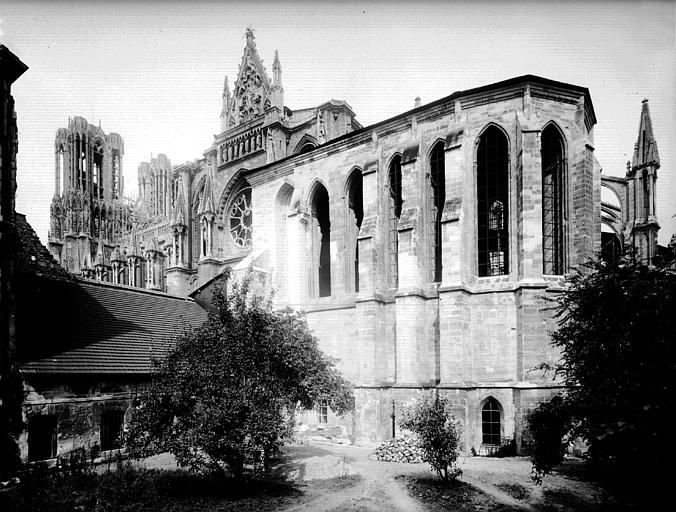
x=423 y=248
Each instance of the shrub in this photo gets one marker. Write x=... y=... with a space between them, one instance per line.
x=430 y=418
x=549 y=425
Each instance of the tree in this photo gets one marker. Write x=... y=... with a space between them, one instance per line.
x=617 y=337
x=431 y=420
x=229 y=389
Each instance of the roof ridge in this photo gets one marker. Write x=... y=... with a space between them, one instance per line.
x=105 y=284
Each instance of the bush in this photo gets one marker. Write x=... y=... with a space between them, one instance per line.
x=549 y=425
x=430 y=418
x=616 y=332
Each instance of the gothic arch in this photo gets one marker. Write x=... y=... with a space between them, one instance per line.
x=562 y=134
x=305 y=140
x=554 y=175
x=486 y=127
x=311 y=190
x=320 y=233
x=354 y=215
x=492 y=166
x=435 y=206
x=394 y=201
x=233 y=185
x=492 y=419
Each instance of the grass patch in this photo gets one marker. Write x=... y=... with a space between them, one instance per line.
x=438 y=496
x=516 y=491
x=127 y=488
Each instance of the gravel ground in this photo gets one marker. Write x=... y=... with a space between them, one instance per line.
x=340 y=478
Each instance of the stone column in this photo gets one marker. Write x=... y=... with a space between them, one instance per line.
x=457 y=255
x=528 y=171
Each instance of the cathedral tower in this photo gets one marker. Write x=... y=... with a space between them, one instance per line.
x=87 y=211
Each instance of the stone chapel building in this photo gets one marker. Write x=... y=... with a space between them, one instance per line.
x=423 y=247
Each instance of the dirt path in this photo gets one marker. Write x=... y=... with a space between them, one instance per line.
x=337 y=478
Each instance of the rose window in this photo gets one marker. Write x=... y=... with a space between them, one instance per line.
x=240 y=219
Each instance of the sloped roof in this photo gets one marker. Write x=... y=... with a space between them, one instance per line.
x=30 y=256
x=87 y=327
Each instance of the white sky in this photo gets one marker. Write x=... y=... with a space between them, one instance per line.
x=153 y=72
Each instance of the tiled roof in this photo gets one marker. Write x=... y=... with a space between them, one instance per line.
x=31 y=257
x=85 y=327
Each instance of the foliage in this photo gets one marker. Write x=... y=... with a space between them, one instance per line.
x=227 y=393
x=617 y=337
x=11 y=423
x=549 y=425
x=430 y=418
x=127 y=488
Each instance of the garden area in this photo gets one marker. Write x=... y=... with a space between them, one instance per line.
x=317 y=476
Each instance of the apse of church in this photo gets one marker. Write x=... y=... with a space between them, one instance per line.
x=423 y=248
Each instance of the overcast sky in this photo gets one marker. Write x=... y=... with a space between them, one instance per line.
x=153 y=72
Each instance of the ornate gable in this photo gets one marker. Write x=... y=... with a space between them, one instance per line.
x=251 y=94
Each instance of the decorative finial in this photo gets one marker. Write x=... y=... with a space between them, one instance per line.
x=417 y=102
x=250 y=36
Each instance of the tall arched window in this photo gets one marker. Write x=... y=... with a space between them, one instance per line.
x=490 y=422
x=438 y=190
x=355 y=203
x=492 y=162
x=395 y=203
x=553 y=201
x=321 y=240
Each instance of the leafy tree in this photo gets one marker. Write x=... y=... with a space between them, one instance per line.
x=549 y=424
x=431 y=420
x=617 y=336
x=228 y=391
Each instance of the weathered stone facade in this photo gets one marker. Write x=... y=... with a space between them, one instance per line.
x=423 y=247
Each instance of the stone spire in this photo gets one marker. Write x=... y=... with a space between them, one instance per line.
x=178 y=219
x=277 y=71
x=277 y=92
x=642 y=186
x=645 y=149
x=227 y=98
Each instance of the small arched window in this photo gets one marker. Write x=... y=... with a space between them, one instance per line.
x=355 y=203
x=321 y=240
x=492 y=163
x=111 y=430
x=490 y=422
x=395 y=203
x=553 y=201
x=437 y=200
x=42 y=435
